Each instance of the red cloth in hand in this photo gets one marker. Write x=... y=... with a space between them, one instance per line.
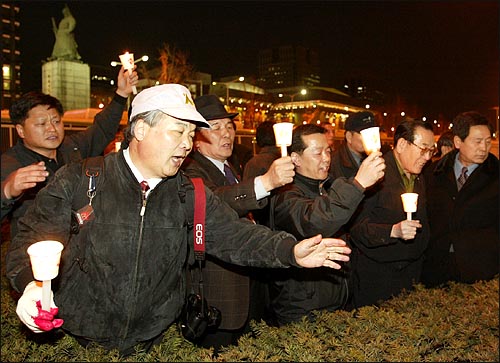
x=45 y=319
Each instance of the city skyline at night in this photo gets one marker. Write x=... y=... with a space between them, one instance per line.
x=441 y=56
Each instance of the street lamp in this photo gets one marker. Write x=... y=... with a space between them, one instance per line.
x=226 y=84
x=302 y=92
x=144 y=58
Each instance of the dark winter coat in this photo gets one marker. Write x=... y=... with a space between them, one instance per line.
x=468 y=219
x=383 y=265
x=75 y=147
x=122 y=277
x=305 y=209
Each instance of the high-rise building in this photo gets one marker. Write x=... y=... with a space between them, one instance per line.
x=288 y=66
x=11 y=65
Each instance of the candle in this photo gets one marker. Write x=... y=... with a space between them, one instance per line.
x=283 y=134
x=127 y=59
x=45 y=257
x=410 y=201
x=371 y=139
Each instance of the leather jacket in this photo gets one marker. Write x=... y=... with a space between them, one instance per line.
x=122 y=277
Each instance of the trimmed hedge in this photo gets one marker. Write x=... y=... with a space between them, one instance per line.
x=455 y=323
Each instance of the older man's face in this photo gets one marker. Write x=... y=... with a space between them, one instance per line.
x=414 y=155
x=217 y=142
x=160 y=150
x=476 y=146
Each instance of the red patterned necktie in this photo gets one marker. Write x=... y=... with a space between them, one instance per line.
x=144 y=186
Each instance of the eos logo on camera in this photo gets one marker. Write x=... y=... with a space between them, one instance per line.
x=199 y=233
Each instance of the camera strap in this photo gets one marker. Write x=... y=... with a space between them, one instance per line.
x=199 y=232
x=199 y=219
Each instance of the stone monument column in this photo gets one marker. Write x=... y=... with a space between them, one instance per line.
x=64 y=75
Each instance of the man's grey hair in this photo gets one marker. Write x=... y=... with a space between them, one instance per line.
x=152 y=118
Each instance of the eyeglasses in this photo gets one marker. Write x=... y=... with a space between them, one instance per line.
x=431 y=151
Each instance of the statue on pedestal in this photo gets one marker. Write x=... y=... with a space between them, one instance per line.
x=65 y=47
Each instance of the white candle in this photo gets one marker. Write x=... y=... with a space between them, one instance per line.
x=371 y=139
x=127 y=59
x=45 y=257
x=410 y=201
x=283 y=134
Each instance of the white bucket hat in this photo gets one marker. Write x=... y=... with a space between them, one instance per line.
x=173 y=99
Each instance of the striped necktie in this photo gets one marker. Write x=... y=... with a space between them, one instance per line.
x=462 y=178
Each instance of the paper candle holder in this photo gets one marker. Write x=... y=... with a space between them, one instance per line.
x=45 y=257
x=371 y=139
x=410 y=201
x=127 y=60
x=283 y=133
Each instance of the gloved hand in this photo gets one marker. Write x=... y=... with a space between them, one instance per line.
x=29 y=310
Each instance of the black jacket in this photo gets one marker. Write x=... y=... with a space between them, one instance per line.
x=468 y=219
x=75 y=147
x=122 y=277
x=382 y=208
x=305 y=209
x=382 y=265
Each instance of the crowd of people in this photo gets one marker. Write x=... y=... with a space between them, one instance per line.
x=285 y=236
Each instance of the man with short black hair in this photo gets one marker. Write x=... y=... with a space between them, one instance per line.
x=462 y=190
x=307 y=207
x=43 y=148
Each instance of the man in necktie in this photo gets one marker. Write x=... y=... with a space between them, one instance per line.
x=227 y=286
x=229 y=174
x=462 y=178
x=464 y=219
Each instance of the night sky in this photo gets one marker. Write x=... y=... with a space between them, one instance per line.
x=443 y=56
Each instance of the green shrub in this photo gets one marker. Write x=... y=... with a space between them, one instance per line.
x=456 y=323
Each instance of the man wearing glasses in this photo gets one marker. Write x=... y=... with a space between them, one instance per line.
x=388 y=248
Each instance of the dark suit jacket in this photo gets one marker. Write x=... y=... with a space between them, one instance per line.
x=383 y=265
x=241 y=197
x=226 y=286
x=468 y=219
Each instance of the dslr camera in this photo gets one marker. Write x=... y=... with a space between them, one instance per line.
x=197 y=317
